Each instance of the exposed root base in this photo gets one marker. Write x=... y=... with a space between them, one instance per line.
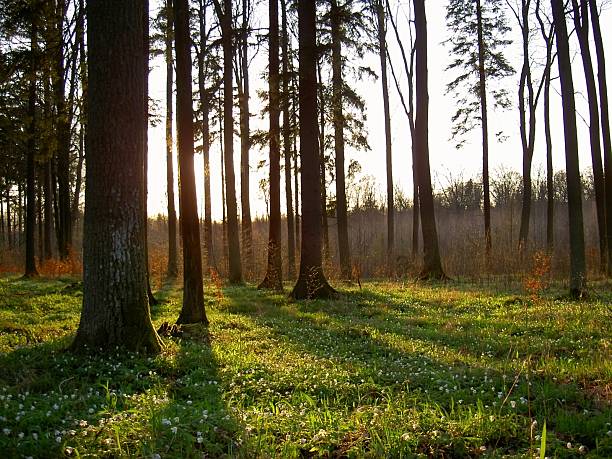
x=271 y=283
x=305 y=289
x=437 y=275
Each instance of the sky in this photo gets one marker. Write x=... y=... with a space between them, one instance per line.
x=446 y=160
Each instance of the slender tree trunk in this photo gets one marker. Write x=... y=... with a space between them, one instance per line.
x=235 y=268
x=115 y=306
x=30 y=258
x=2 y=224
x=287 y=144
x=83 y=110
x=324 y=223
x=574 y=188
x=382 y=46
x=338 y=116
x=432 y=266
x=605 y=125
x=296 y=182
x=9 y=228
x=205 y=104
x=485 y=133
x=581 y=24
x=274 y=275
x=311 y=282
x=193 y=293
x=223 y=201
x=47 y=211
x=39 y=217
x=63 y=139
x=245 y=146
x=172 y=247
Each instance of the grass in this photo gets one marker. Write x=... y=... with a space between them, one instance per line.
x=395 y=370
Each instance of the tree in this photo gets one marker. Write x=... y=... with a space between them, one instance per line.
x=382 y=47
x=225 y=18
x=574 y=189
x=193 y=294
x=477 y=34
x=311 y=281
x=605 y=124
x=115 y=304
x=432 y=266
x=274 y=273
x=172 y=250
x=581 y=25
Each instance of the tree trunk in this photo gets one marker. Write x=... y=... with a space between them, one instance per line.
x=83 y=121
x=574 y=188
x=172 y=248
x=324 y=223
x=338 y=116
x=605 y=125
x=235 y=268
x=115 y=307
x=47 y=211
x=205 y=104
x=30 y=258
x=287 y=145
x=63 y=140
x=432 y=266
x=245 y=146
x=193 y=294
x=382 y=46
x=274 y=275
x=311 y=282
x=485 y=133
x=581 y=23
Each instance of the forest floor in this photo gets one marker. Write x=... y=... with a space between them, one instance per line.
x=390 y=370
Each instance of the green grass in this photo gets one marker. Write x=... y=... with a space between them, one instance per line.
x=395 y=370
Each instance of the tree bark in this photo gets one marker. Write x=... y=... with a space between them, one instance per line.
x=432 y=266
x=287 y=144
x=485 y=133
x=115 y=305
x=193 y=293
x=324 y=223
x=311 y=282
x=581 y=24
x=605 y=125
x=574 y=188
x=274 y=274
x=235 y=268
x=338 y=117
x=172 y=248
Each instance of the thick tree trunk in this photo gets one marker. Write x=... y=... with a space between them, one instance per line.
x=115 y=306
x=287 y=144
x=432 y=266
x=274 y=274
x=235 y=268
x=574 y=188
x=245 y=146
x=311 y=282
x=172 y=247
x=382 y=46
x=605 y=125
x=338 y=117
x=193 y=293
x=485 y=133
x=30 y=258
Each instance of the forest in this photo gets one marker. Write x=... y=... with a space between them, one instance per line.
x=293 y=228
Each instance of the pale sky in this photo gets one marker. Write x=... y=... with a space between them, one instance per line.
x=445 y=158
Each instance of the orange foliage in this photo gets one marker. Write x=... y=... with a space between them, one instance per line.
x=538 y=278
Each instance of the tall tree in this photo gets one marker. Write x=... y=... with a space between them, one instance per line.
x=432 y=266
x=336 y=18
x=605 y=124
x=30 y=260
x=285 y=101
x=172 y=249
x=274 y=273
x=311 y=282
x=581 y=25
x=574 y=188
x=477 y=41
x=225 y=18
x=382 y=46
x=115 y=305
